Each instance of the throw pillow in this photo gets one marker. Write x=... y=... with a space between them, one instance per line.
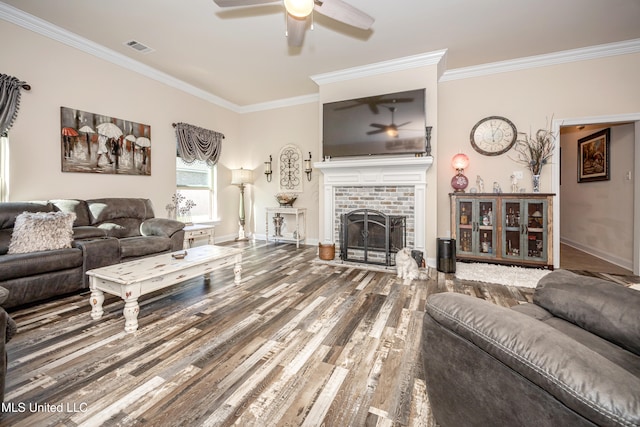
x=42 y=231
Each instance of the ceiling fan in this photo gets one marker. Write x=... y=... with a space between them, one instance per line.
x=390 y=129
x=373 y=102
x=298 y=12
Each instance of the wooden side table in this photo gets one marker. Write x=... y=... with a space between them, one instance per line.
x=197 y=231
x=296 y=234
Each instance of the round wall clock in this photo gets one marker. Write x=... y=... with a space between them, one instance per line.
x=493 y=135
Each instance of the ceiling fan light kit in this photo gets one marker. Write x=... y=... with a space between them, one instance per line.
x=298 y=12
x=299 y=8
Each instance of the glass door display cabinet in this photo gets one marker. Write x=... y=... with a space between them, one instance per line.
x=476 y=227
x=525 y=230
x=512 y=229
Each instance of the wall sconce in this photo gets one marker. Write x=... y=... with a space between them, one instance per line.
x=307 y=167
x=267 y=168
x=459 y=182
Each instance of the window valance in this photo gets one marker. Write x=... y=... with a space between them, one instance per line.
x=196 y=143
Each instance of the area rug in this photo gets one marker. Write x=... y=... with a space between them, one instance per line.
x=500 y=274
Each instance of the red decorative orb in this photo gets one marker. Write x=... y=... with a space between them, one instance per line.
x=459 y=183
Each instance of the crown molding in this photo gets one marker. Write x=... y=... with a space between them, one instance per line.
x=280 y=103
x=562 y=57
x=405 y=63
x=47 y=29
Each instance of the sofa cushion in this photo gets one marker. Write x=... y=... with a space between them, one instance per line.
x=88 y=232
x=8 y=214
x=33 y=263
x=616 y=354
x=106 y=210
x=132 y=247
x=78 y=207
x=10 y=210
x=41 y=231
x=586 y=301
x=121 y=227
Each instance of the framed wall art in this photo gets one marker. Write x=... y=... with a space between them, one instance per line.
x=95 y=143
x=290 y=158
x=593 y=157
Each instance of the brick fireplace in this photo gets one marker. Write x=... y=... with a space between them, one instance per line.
x=394 y=186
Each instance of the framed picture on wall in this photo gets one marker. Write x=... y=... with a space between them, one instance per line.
x=95 y=143
x=593 y=157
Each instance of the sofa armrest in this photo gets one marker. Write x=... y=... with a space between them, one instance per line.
x=98 y=253
x=580 y=378
x=162 y=227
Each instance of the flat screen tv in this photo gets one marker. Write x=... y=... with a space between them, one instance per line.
x=394 y=123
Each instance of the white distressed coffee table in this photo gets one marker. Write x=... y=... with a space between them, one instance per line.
x=132 y=279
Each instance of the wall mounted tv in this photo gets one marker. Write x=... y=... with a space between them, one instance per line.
x=393 y=123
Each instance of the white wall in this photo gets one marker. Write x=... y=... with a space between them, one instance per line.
x=63 y=76
x=597 y=217
x=529 y=98
x=266 y=132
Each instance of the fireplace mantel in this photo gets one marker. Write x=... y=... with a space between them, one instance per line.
x=375 y=171
x=405 y=171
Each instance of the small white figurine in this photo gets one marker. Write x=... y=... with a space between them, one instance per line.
x=514 y=184
x=480 y=184
x=496 y=187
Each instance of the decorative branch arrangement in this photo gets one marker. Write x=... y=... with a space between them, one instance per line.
x=535 y=151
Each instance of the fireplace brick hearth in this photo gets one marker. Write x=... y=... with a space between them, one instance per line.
x=395 y=186
x=390 y=200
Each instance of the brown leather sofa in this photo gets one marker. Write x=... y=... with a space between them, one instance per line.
x=106 y=231
x=7 y=331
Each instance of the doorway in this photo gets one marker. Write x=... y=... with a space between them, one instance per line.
x=601 y=122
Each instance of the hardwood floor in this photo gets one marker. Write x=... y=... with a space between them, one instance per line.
x=575 y=259
x=297 y=342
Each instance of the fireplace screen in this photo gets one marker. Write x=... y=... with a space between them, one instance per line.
x=371 y=237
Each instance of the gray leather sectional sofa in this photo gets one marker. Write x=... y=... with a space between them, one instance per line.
x=106 y=231
x=572 y=358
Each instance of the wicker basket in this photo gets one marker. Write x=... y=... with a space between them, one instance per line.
x=326 y=251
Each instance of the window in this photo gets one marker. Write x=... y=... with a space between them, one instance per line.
x=198 y=182
x=4 y=168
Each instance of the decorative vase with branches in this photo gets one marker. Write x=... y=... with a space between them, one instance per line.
x=535 y=151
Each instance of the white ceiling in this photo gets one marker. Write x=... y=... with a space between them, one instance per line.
x=241 y=55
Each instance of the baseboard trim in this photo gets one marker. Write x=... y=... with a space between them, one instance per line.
x=626 y=264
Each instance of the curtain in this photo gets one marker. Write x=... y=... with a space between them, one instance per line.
x=195 y=143
x=9 y=101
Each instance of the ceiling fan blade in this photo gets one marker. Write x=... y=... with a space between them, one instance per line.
x=378 y=125
x=374 y=132
x=234 y=3
x=345 y=13
x=296 y=28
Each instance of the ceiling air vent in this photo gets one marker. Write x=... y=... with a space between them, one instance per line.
x=138 y=46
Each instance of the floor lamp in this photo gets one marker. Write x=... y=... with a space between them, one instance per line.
x=241 y=177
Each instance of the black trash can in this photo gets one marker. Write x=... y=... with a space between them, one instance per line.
x=446 y=253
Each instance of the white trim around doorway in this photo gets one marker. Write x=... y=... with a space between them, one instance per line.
x=555 y=179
